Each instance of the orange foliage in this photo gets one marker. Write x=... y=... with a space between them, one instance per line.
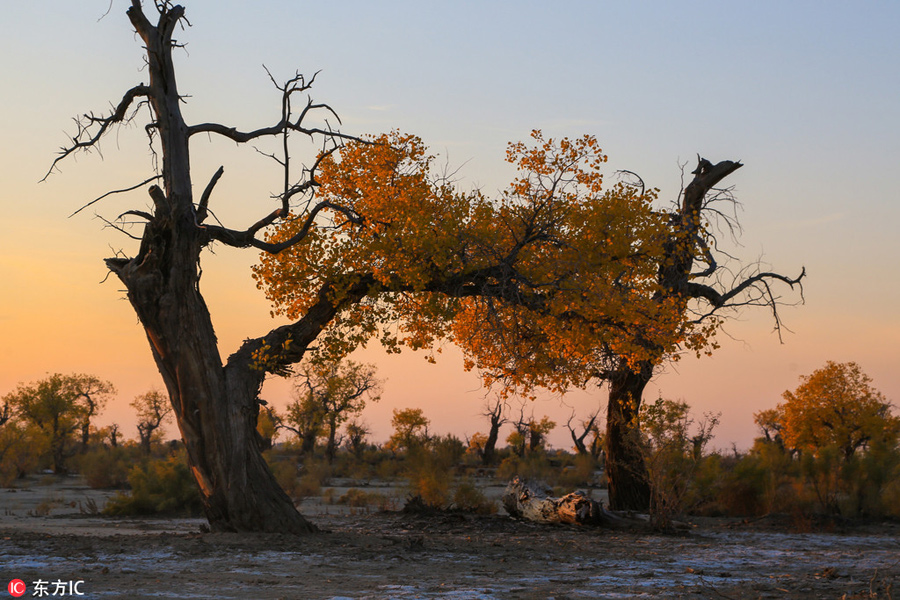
x=837 y=407
x=541 y=286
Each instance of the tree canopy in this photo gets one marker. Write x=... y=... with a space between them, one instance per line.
x=59 y=407
x=534 y=285
x=835 y=406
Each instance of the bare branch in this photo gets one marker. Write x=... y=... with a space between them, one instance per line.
x=246 y=238
x=719 y=300
x=136 y=213
x=84 y=140
x=128 y=189
x=202 y=209
x=245 y=136
x=763 y=296
x=639 y=183
x=118 y=228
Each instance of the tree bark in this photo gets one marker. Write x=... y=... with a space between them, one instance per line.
x=626 y=471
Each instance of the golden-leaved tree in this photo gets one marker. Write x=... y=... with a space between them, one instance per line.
x=60 y=408
x=556 y=283
x=369 y=245
x=649 y=287
x=836 y=407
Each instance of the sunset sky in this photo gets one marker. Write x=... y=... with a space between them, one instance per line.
x=805 y=94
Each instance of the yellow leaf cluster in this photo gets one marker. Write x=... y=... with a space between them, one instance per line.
x=543 y=285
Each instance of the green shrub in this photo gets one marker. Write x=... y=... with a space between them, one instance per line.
x=159 y=487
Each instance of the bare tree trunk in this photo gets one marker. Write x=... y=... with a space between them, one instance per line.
x=629 y=481
x=331 y=445
x=495 y=415
x=490 y=446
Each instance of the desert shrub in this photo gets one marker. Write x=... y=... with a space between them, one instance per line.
x=158 y=487
x=429 y=475
x=579 y=474
x=673 y=447
x=430 y=484
x=533 y=467
x=468 y=497
x=313 y=475
x=307 y=486
x=106 y=467
x=20 y=450
x=354 y=497
x=358 y=498
x=286 y=474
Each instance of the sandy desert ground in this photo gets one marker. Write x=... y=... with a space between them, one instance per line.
x=46 y=535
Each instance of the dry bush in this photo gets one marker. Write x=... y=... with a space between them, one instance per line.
x=105 y=468
x=163 y=486
x=469 y=498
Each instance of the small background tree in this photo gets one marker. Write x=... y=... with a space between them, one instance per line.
x=60 y=409
x=673 y=449
x=152 y=410
x=410 y=430
x=845 y=434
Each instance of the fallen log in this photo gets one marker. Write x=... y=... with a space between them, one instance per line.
x=526 y=501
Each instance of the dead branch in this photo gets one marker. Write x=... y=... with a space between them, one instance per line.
x=128 y=189
x=84 y=139
x=246 y=238
x=202 y=208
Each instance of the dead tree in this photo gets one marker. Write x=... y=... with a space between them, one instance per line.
x=494 y=413
x=589 y=427
x=152 y=409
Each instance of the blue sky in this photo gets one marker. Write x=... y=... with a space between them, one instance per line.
x=806 y=94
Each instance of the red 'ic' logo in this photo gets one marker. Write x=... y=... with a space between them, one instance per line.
x=16 y=588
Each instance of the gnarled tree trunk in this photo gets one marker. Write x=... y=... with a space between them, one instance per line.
x=215 y=404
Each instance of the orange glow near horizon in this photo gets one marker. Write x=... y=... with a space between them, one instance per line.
x=804 y=104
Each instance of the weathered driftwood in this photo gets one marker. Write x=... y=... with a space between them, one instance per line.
x=527 y=502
